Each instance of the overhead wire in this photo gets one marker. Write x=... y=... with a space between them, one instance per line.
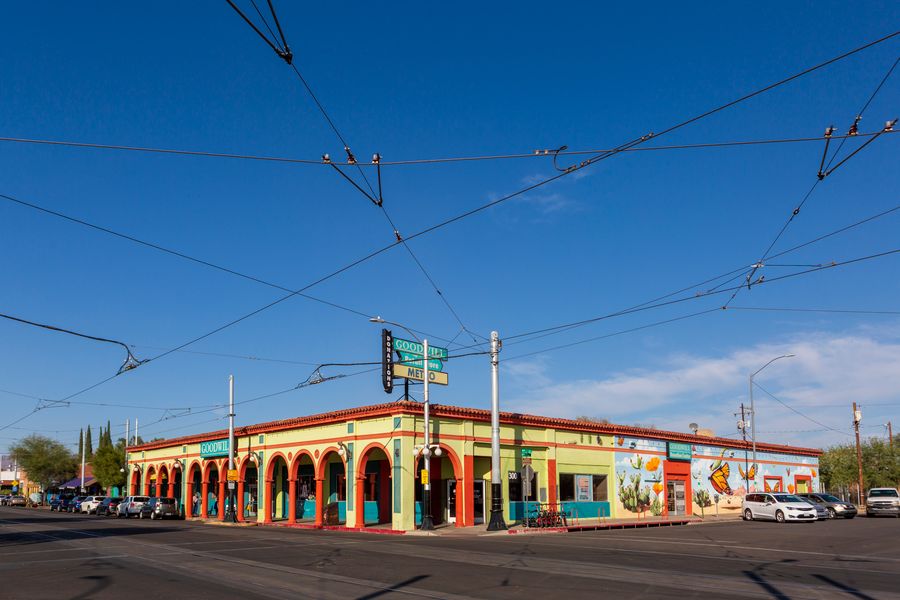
x=537 y=154
x=524 y=190
x=792 y=409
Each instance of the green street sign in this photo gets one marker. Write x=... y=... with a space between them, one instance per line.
x=401 y=345
x=526 y=452
x=214 y=448
x=408 y=359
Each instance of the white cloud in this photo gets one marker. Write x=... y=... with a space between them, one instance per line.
x=828 y=369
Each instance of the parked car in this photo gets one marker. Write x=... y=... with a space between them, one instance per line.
x=778 y=506
x=131 y=506
x=89 y=505
x=160 y=508
x=36 y=499
x=836 y=508
x=4 y=499
x=61 y=502
x=883 y=501
x=75 y=505
x=108 y=507
x=17 y=501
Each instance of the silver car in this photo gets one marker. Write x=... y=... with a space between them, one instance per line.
x=777 y=506
x=834 y=506
x=131 y=506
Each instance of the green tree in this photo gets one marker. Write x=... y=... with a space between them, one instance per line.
x=89 y=441
x=45 y=460
x=881 y=467
x=108 y=463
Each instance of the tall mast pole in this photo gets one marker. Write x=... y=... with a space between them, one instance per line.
x=857 y=417
x=231 y=504
x=427 y=519
x=496 y=523
x=83 y=452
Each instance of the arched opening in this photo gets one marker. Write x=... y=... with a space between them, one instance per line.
x=163 y=480
x=178 y=487
x=373 y=487
x=303 y=474
x=134 y=488
x=277 y=482
x=150 y=481
x=331 y=492
x=195 y=491
x=447 y=494
x=248 y=491
x=211 y=501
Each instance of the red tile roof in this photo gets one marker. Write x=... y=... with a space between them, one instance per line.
x=474 y=414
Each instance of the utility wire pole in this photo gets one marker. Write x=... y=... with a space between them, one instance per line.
x=496 y=523
x=857 y=417
x=427 y=519
x=127 y=472
x=742 y=426
x=83 y=450
x=890 y=438
x=232 y=514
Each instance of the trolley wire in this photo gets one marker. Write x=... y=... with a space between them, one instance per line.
x=792 y=409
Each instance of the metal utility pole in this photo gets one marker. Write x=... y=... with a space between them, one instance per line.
x=857 y=417
x=127 y=472
x=496 y=523
x=427 y=519
x=890 y=437
x=232 y=514
x=742 y=425
x=83 y=451
x=753 y=408
x=136 y=442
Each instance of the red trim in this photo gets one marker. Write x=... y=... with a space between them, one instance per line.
x=474 y=414
x=551 y=480
x=677 y=471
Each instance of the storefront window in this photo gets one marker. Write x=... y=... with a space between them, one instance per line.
x=515 y=487
x=582 y=488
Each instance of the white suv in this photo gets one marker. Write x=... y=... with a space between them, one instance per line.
x=883 y=501
x=777 y=506
x=89 y=505
x=131 y=506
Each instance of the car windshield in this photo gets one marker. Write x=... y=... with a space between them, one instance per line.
x=830 y=498
x=141 y=498
x=167 y=500
x=789 y=498
x=883 y=494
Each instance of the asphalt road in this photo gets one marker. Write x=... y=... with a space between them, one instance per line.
x=62 y=556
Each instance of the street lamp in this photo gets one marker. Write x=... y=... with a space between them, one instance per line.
x=752 y=409
x=427 y=519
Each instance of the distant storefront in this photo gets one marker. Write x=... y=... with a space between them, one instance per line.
x=357 y=468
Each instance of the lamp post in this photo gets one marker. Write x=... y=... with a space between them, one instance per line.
x=752 y=408
x=427 y=448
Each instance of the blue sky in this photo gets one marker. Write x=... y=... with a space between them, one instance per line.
x=410 y=82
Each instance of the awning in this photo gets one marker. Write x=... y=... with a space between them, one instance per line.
x=74 y=484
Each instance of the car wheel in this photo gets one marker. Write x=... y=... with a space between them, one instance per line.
x=779 y=516
x=748 y=516
x=152 y=516
x=832 y=514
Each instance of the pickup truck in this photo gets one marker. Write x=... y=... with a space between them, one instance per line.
x=883 y=501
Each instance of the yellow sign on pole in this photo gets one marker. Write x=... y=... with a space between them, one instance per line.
x=407 y=372
x=232 y=475
x=424 y=477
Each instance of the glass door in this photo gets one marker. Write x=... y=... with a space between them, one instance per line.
x=675 y=498
x=478 y=493
x=451 y=501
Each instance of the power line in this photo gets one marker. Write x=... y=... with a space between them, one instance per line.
x=791 y=408
x=536 y=154
x=817 y=310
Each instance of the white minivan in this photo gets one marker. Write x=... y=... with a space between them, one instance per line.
x=777 y=506
x=131 y=506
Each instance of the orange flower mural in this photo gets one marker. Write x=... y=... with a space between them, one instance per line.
x=791 y=488
x=813 y=472
x=657 y=487
x=652 y=464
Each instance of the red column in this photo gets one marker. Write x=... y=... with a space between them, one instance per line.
x=320 y=501
x=468 y=488
x=266 y=504
x=170 y=492
x=359 y=505
x=221 y=498
x=240 y=501
x=292 y=498
x=146 y=486
x=204 y=498
x=551 y=480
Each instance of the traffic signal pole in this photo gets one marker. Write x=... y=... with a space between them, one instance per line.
x=857 y=417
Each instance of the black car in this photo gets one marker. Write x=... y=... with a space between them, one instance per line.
x=108 y=507
x=62 y=502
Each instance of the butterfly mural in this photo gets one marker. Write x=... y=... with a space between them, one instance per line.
x=751 y=474
x=719 y=479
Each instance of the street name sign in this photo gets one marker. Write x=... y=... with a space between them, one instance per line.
x=419 y=374
x=401 y=345
x=408 y=359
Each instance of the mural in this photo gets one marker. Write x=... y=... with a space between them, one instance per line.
x=719 y=476
x=639 y=476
